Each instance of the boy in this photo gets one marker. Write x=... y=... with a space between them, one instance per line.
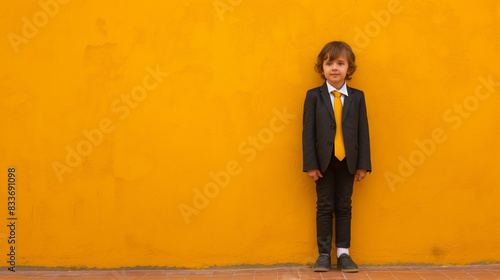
x=336 y=150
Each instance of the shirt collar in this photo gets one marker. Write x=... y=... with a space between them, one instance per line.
x=342 y=90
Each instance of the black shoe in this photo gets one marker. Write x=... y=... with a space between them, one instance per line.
x=323 y=263
x=345 y=264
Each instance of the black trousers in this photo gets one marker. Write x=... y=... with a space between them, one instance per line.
x=334 y=192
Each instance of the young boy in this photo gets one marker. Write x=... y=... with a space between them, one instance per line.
x=336 y=150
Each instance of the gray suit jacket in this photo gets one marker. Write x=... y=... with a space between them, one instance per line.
x=319 y=129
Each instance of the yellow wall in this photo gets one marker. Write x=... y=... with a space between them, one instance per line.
x=120 y=115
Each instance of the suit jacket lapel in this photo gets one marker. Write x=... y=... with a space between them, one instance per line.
x=326 y=98
x=347 y=103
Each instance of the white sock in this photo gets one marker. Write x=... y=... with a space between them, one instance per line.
x=341 y=251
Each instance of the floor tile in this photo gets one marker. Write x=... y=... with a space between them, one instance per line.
x=484 y=275
x=407 y=275
x=380 y=275
x=433 y=275
x=482 y=272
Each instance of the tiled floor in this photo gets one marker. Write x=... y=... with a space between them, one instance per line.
x=486 y=272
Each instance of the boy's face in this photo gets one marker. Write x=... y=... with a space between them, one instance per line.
x=335 y=71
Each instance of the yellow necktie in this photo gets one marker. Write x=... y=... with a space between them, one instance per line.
x=339 y=136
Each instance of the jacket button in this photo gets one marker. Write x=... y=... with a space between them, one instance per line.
x=329 y=142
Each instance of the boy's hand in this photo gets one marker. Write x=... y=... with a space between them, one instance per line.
x=315 y=174
x=360 y=174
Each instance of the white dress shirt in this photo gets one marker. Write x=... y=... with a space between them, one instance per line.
x=342 y=90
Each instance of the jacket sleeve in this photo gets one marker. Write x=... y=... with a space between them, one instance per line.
x=310 y=157
x=364 y=158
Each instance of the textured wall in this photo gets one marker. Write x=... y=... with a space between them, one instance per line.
x=168 y=133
